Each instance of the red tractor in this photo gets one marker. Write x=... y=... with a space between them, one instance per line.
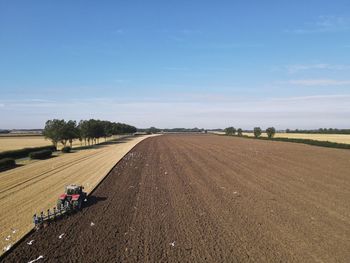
x=70 y=201
x=72 y=198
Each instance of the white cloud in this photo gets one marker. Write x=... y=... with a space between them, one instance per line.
x=118 y=31
x=229 y=45
x=318 y=82
x=320 y=66
x=324 y=23
x=120 y=80
x=205 y=110
x=176 y=38
x=177 y=68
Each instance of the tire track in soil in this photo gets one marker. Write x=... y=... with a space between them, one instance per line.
x=48 y=173
x=216 y=205
x=60 y=168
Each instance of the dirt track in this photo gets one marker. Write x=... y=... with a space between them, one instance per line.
x=209 y=198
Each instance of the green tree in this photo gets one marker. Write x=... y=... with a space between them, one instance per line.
x=83 y=128
x=91 y=130
x=53 y=130
x=270 y=132
x=230 y=131
x=71 y=131
x=95 y=130
x=64 y=133
x=239 y=132
x=107 y=129
x=257 y=132
x=153 y=130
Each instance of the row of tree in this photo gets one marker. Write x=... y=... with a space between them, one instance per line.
x=89 y=131
x=232 y=131
x=157 y=130
x=257 y=131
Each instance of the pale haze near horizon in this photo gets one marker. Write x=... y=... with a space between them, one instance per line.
x=184 y=64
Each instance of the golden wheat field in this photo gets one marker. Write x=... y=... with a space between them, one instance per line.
x=35 y=187
x=339 y=138
x=8 y=143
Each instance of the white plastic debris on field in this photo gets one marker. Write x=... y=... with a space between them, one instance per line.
x=7 y=247
x=8 y=238
x=60 y=236
x=172 y=244
x=92 y=224
x=34 y=260
x=30 y=242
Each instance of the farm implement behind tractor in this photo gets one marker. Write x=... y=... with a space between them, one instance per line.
x=69 y=202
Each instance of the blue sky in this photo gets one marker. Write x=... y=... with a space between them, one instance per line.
x=176 y=63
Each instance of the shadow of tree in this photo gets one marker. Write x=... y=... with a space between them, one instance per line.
x=10 y=168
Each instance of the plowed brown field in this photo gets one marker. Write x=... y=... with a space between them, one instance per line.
x=207 y=198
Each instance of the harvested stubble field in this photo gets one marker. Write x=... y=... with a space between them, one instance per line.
x=207 y=198
x=16 y=142
x=35 y=187
x=9 y=143
x=338 y=138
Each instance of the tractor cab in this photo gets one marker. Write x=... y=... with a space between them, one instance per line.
x=72 y=198
x=73 y=189
x=70 y=201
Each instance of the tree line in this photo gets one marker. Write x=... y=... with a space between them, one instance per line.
x=257 y=131
x=157 y=130
x=89 y=131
